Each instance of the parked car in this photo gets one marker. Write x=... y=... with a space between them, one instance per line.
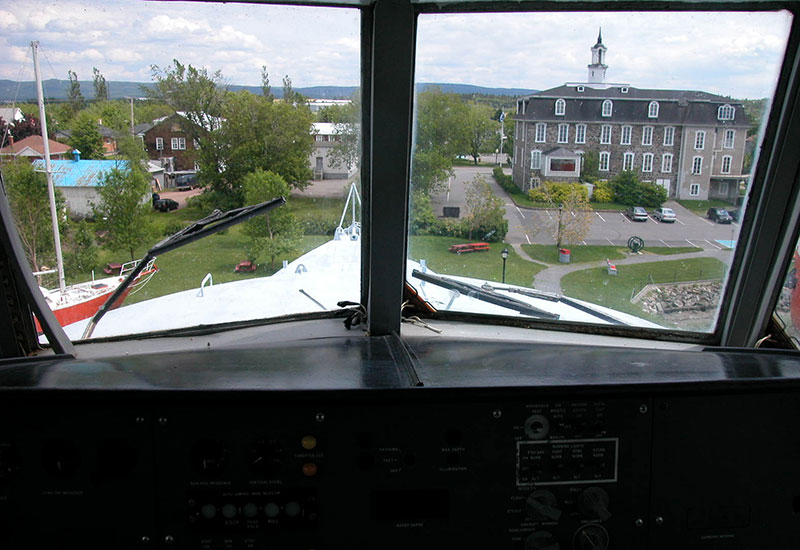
x=185 y=182
x=636 y=213
x=735 y=214
x=165 y=205
x=665 y=215
x=719 y=215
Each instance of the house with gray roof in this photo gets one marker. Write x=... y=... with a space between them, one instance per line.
x=692 y=143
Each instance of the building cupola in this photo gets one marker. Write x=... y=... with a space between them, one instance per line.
x=597 y=69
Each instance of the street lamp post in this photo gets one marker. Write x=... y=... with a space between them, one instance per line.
x=504 y=254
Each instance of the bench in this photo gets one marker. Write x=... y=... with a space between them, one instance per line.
x=469 y=247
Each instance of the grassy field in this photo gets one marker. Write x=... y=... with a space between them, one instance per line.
x=590 y=253
x=481 y=265
x=615 y=291
x=701 y=207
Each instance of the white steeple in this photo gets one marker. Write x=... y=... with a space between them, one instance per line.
x=597 y=70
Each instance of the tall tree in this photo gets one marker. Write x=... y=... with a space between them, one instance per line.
x=100 y=86
x=266 y=89
x=277 y=232
x=288 y=91
x=574 y=215
x=30 y=205
x=86 y=137
x=75 y=97
x=590 y=165
x=481 y=130
x=485 y=211
x=346 y=121
x=121 y=210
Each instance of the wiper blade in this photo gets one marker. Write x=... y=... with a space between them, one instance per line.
x=213 y=223
x=488 y=296
x=552 y=297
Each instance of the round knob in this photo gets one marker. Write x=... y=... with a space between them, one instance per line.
x=590 y=537
x=210 y=457
x=541 y=540
x=593 y=503
x=541 y=505
x=265 y=457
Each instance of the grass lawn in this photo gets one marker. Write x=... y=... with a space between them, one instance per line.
x=480 y=265
x=701 y=207
x=615 y=291
x=666 y=251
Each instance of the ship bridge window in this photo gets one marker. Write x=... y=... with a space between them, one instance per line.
x=243 y=123
x=671 y=278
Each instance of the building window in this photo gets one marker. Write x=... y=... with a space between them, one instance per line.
x=624 y=90
x=178 y=144
x=727 y=142
x=563 y=165
x=727 y=160
x=581 y=88
x=563 y=133
x=694 y=189
x=726 y=112
x=580 y=133
x=647 y=135
x=652 y=109
x=561 y=105
x=627 y=161
x=669 y=135
x=607 y=107
x=723 y=188
x=626 y=135
x=666 y=162
x=536 y=160
x=196 y=167
x=541 y=132
x=319 y=138
x=159 y=144
x=700 y=140
x=605 y=160
x=647 y=162
x=605 y=134
x=697 y=166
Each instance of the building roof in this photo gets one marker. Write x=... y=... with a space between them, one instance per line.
x=80 y=173
x=35 y=145
x=326 y=128
x=614 y=91
x=142 y=128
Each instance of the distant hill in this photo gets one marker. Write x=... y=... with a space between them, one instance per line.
x=58 y=89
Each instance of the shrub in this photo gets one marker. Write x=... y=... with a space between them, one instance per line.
x=503 y=180
x=603 y=192
x=629 y=190
x=557 y=193
x=172 y=227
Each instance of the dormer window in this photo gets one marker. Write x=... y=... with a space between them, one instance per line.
x=607 y=107
x=624 y=90
x=581 y=88
x=726 y=112
x=561 y=105
x=652 y=109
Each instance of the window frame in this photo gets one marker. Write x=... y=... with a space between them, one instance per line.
x=605 y=140
x=604 y=155
x=580 y=134
x=623 y=138
x=563 y=133
x=647 y=167
x=543 y=127
x=647 y=135
x=697 y=169
x=561 y=107
x=628 y=160
x=536 y=154
x=729 y=143
x=694 y=190
x=699 y=140
x=607 y=108
x=722 y=169
x=159 y=143
x=652 y=109
x=726 y=112
x=666 y=167
x=669 y=131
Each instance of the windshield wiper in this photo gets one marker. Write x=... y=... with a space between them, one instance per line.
x=488 y=296
x=551 y=297
x=213 y=223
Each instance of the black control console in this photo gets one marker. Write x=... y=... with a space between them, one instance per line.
x=511 y=454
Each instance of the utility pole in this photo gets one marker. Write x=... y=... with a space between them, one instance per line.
x=132 y=116
x=502 y=131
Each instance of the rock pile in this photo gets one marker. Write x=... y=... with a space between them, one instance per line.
x=678 y=298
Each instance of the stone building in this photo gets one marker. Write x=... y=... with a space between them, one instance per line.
x=691 y=143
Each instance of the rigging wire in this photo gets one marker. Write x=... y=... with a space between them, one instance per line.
x=14 y=101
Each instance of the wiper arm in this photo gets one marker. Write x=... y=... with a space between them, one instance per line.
x=213 y=223
x=483 y=295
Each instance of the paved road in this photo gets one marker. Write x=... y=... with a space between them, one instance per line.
x=531 y=226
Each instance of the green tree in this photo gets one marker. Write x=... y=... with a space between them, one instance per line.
x=80 y=255
x=74 y=95
x=481 y=130
x=86 y=137
x=628 y=189
x=590 y=165
x=346 y=120
x=277 y=232
x=30 y=204
x=112 y=114
x=100 y=86
x=574 y=215
x=486 y=213
x=257 y=133
x=266 y=89
x=123 y=210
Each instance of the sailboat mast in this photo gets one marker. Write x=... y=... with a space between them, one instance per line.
x=48 y=172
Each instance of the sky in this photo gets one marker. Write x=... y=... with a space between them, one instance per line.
x=736 y=54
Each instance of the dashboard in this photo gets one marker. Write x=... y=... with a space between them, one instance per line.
x=383 y=442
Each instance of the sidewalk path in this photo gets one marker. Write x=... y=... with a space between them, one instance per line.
x=549 y=279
